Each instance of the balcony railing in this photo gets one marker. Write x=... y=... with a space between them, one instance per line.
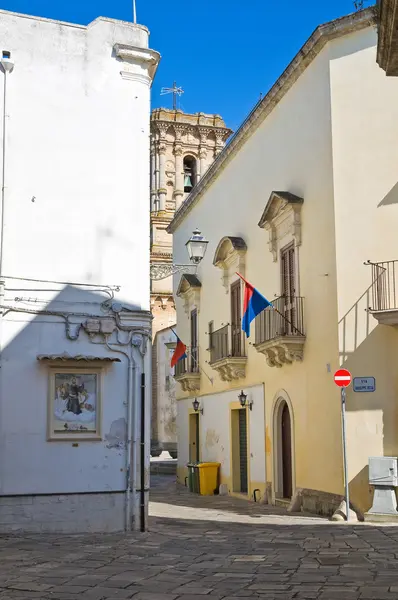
x=189 y=364
x=286 y=319
x=227 y=342
x=384 y=288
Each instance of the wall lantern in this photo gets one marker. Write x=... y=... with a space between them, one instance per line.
x=243 y=400
x=196 y=247
x=196 y=406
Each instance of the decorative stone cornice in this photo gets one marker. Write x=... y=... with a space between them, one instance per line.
x=387 y=48
x=230 y=257
x=281 y=216
x=321 y=36
x=282 y=350
x=189 y=291
x=190 y=382
x=230 y=368
x=146 y=58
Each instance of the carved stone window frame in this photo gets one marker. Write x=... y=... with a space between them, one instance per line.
x=281 y=218
x=230 y=257
x=189 y=291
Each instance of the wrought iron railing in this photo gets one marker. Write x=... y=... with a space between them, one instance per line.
x=227 y=341
x=384 y=288
x=190 y=364
x=286 y=318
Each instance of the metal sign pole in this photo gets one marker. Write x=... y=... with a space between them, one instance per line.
x=347 y=494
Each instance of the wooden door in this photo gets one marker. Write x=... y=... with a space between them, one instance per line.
x=286 y=453
x=194 y=437
x=243 y=450
x=236 y=320
x=194 y=342
x=288 y=274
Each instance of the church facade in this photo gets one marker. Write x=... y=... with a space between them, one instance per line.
x=183 y=146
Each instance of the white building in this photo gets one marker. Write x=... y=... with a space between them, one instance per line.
x=164 y=404
x=299 y=200
x=75 y=310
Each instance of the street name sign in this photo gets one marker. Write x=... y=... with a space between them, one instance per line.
x=364 y=384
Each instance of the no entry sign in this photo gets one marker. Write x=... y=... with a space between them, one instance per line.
x=342 y=378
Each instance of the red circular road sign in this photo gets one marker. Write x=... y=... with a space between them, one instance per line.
x=342 y=378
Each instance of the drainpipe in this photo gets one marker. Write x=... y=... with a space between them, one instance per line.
x=131 y=459
x=8 y=66
x=141 y=343
x=142 y=494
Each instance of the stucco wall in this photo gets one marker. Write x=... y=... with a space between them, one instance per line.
x=365 y=156
x=78 y=141
x=332 y=141
x=215 y=434
x=76 y=210
x=292 y=151
x=164 y=394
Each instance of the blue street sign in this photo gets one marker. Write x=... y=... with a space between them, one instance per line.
x=364 y=384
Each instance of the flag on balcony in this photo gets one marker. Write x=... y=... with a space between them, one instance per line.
x=179 y=352
x=253 y=304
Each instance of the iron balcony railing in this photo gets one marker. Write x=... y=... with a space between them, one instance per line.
x=189 y=364
x=286 y=318
x=225 y=342
x=384 y=288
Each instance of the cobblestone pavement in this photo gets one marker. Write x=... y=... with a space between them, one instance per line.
x=209 y=548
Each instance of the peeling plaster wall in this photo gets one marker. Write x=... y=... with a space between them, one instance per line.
x=80 y=132
x=165 y=412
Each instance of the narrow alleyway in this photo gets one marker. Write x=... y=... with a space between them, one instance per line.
x=214 y=548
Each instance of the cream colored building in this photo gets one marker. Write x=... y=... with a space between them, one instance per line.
x=301 y=198
x=183 y=146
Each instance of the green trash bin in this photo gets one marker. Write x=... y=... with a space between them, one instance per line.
x=195 y=479
x=191 y=475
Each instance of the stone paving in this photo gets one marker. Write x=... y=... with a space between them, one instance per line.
x=213 y=548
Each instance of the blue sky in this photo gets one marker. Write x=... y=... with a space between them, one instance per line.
x=224 y=53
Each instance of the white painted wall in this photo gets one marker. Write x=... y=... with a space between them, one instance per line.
x=78 y=142
x=166 y=392
x=332 y=140
x=214 y=431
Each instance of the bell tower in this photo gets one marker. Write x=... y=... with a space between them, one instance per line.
x=183 y=146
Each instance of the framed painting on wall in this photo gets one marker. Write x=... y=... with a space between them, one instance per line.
x=74 y=404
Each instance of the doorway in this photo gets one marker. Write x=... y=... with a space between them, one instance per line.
x=240 y=474
x=286 y=436
x=236 y=319
x=194 y=437
x=288 y=276
x=283 y=448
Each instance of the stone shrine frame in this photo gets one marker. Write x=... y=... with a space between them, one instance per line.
x=74 y=404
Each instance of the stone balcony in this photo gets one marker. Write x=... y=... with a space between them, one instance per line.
x=280 y=332
x=187 y=371
x=227 y=353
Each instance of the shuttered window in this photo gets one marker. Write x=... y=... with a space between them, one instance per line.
x=288 y=276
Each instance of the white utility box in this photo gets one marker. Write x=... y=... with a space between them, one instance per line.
x=383 y=475
x=383 y=471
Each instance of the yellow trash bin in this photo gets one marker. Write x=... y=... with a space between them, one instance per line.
x=208 y=478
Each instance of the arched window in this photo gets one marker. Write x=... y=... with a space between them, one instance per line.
x=189 y=173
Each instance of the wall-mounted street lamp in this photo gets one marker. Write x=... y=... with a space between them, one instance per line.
x=196 y=248
x=196 y=406
x=243 y=400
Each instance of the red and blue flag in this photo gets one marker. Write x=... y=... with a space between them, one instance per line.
x=253 y=304
x=179 y=352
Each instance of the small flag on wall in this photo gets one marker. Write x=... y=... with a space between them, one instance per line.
x=253 y=304
x=179 y=352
